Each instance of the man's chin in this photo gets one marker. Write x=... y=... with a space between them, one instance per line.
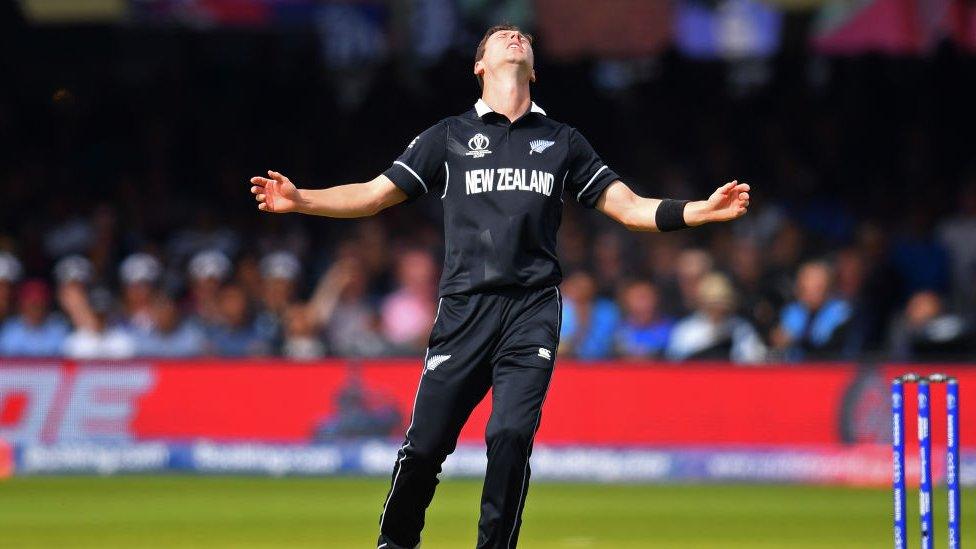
x=521 y=60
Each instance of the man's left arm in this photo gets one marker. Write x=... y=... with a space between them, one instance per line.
x=620 y=203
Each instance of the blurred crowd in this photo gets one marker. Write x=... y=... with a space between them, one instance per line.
x=127 y=228
x=749 y=292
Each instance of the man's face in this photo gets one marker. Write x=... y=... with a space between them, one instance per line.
x=278 y=292
x=138 y=295
x=640 y=302
x=165 y=315
x=34 y=311
x=813 y=285
x=506 y=47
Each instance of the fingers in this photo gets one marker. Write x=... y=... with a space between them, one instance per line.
x=736 y=186
x=740 y=191
x=277 y=176
x=263 y=188
x=262 y=200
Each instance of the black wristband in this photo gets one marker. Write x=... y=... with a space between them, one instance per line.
x=670 y=215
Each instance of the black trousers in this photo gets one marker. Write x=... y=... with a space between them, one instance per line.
x=505 y=341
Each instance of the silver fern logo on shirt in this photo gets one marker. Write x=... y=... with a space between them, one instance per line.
x=539 y=146
x=478 y=145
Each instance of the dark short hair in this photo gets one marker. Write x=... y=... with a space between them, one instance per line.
x=480 y=52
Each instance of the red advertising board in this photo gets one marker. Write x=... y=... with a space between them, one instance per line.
x=588 y=403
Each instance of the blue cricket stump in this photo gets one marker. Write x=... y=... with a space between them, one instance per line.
x=925 y=457
x=952 y=461
x=925 y=464
x=898 y=453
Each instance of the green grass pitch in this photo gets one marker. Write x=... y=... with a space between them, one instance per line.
x=239 y=512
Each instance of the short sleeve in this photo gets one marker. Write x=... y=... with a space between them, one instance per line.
x=588 y=175
x=420 y=169
x=793 y=320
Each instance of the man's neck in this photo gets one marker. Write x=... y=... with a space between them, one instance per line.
x=508 y=97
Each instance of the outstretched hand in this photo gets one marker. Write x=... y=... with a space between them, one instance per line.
x=728 y=202
x=277 y=195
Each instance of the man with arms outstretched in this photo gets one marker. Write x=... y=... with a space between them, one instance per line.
x=502 y=171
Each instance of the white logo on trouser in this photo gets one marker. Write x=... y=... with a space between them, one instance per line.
x=436 y=360
x=545 y=353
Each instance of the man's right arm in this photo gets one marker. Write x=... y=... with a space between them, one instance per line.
x=419 y=170
x=278 y=194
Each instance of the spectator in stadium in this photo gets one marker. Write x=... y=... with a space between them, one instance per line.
x=301 y=341
x=609 y=266
x=921 y=261
x=169 y=335
x=36 y=331
x=880 y=298
x=408 y=313
x=851 y=269
x=958 y=235
x=370 y=244
x=813 y=326
x=692 y=265
x=10 y=271
x=660 y=265
x=279 y=275
x=234 y=334
x=756 y=303
x=208 y=270
x=93 y=337
x=927 y=331
x=139 y=274
x=643 y=331
x=339 y=307
x=713 y=331
x=573 y=244
x=589 y=321
x=781 y=260
x=247 y=275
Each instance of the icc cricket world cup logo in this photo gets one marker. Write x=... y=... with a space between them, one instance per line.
x=478 y=145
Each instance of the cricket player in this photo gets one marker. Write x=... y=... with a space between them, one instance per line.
x=502 y=171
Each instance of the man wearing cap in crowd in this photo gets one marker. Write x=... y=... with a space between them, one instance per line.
x=208 y=270
x=170 y=334
x=712 y=331
x=279 y=274
x=36 y=331
x=235 y=334
x=139 y=274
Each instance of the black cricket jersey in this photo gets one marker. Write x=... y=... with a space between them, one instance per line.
x=502 y=185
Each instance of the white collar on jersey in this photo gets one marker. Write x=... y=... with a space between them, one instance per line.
x=482 y=108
